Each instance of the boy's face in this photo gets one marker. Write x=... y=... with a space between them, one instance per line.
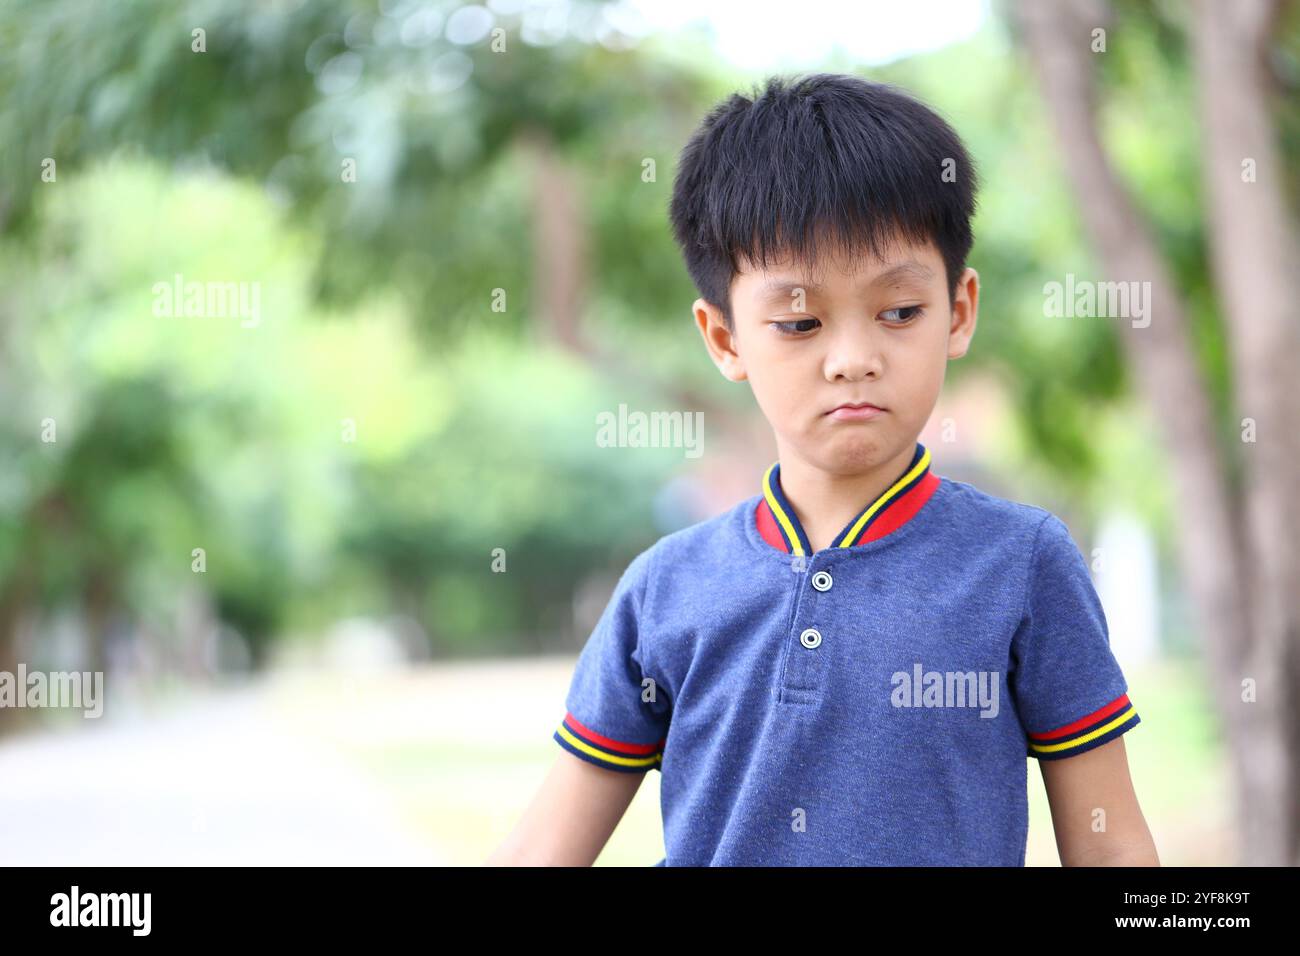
x=876 y=331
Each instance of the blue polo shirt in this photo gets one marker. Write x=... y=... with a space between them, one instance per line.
x=872 y=703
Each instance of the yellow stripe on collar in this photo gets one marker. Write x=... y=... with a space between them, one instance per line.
x=780 y=515
x=852 y=535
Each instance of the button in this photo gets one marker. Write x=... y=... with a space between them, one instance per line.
x=822 y=581
x=810 y=638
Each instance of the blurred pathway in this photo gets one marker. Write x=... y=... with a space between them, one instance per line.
x=220 y=780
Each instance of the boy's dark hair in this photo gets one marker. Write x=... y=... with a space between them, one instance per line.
x=863 y=160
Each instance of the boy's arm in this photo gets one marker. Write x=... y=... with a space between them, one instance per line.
x=1079 y=786
x=571 y=817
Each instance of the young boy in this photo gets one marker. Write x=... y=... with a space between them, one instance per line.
x=851 y=666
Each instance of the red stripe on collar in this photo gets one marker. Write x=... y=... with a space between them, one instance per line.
x=903 y=510
x=766 y=523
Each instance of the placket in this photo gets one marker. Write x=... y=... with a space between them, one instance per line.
x=813 y=626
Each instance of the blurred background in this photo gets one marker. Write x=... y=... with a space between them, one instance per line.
x=308 y=311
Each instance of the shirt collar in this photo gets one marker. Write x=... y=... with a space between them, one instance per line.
x=779 y=526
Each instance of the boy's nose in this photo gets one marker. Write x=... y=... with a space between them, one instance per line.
x=854 y=354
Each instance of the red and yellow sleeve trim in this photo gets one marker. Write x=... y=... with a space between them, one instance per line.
x=582 y=741
x=1093 y=730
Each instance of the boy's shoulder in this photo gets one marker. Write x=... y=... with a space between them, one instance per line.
x=1026 y=534
x=717 y=536
x=707 y=548
x=973 y=508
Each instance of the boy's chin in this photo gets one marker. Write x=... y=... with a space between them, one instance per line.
x=852 y=454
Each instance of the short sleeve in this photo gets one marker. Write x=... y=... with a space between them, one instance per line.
x=1069 y=690
x=617 y=714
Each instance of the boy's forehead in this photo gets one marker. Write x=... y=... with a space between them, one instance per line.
x=901 y=261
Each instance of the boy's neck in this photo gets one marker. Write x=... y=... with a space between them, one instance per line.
x=825 y=503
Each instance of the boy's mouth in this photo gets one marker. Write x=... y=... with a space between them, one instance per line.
x=855 y=412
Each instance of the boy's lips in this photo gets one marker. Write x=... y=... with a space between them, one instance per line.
x=855 y=412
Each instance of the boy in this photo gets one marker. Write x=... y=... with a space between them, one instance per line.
x=851 y=666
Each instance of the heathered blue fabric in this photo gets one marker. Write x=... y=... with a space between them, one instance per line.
x=778 y=754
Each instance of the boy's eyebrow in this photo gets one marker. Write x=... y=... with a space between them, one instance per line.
x=910 y=269
x=774 y=290
x=779 y=289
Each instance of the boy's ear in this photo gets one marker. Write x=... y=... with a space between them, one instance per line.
x=965 y=312
x=720 y=342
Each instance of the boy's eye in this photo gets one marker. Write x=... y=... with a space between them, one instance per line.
x=790 y=328
x=912 y=312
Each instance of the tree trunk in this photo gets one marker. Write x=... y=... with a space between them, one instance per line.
x=1220 y=550
x=1255 y=261
x=15 y=605
x=559 y=241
